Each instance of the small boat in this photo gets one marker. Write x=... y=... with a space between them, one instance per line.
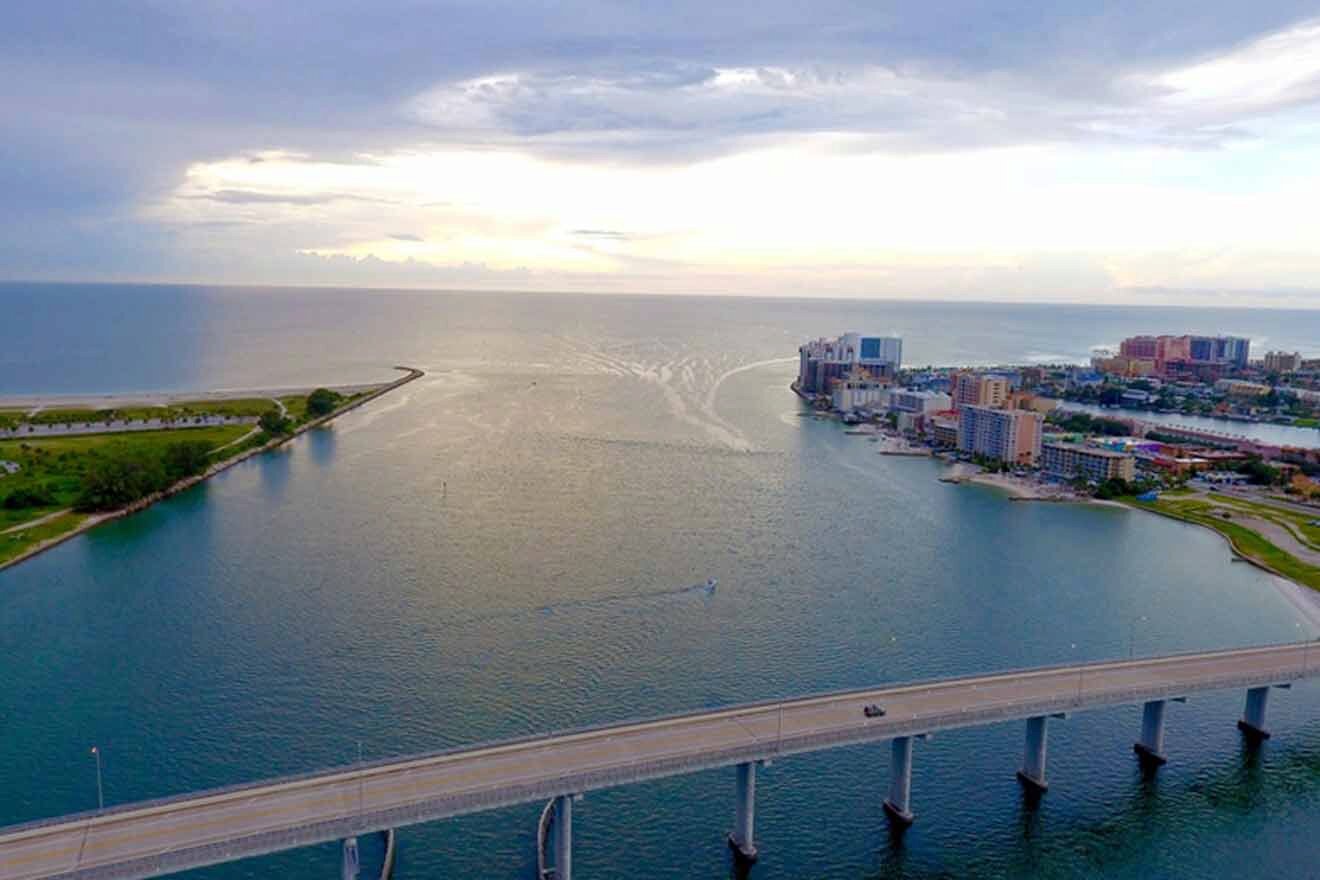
x=711 y=584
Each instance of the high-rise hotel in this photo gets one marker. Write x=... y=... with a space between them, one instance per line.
x=1011 y=435
x=823 y=360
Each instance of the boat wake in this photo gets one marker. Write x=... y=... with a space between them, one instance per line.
x=706 y=590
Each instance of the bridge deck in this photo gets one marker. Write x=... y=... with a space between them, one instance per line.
x=209 y=827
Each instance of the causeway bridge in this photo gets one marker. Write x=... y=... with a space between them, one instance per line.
x=189 y=831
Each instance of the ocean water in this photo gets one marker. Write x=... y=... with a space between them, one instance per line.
x=494 y=550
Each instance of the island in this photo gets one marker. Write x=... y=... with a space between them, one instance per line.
x=69 y=464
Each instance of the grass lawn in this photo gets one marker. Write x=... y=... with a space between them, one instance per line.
x=1297 y=523
x=1246 y=541
x=16 y=542
x=297 y=405
x=58 y=463
x=250 y=406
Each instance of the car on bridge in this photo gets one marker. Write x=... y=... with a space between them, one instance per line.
x=873 y=710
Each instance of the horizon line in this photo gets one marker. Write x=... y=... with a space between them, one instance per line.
x=794 y=297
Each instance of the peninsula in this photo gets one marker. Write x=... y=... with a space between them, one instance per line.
x=68 y=464
x=1021 y=429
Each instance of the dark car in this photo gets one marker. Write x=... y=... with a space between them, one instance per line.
x=874 y=710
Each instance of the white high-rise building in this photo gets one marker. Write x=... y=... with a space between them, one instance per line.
x=823 y=360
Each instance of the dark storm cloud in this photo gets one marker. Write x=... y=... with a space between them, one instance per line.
x=104 y=103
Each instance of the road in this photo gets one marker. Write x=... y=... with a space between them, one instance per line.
x=119 y=426
x=208 y=827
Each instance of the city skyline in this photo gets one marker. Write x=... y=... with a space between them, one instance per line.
x=1128 y=155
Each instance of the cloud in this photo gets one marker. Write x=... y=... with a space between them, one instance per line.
x=1168 y=123
x=686 y=110
x=249 y=197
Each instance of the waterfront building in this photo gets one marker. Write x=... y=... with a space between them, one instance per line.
x=1123 y=365
x=1239 y=388
x=1010 y=435
x=1185 y=353
x=1224 y=478
x=1232 y=350
x=944 y=430
x=1307 y=395
x=1143 y=347
x=823 y=361
x=1070 y=460
x=1033 y=402
x=858 y=391
x=1136 y=397
x=1079 y=377
x=1283 y=362
x=919 y=402
x=977 y=389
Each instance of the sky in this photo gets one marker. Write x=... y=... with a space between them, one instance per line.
x=1123 y=151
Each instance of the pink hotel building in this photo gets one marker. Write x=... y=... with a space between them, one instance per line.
x=1011 y=435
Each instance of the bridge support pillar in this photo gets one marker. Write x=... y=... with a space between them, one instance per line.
x=1150 y=748
x=563 y=829
x=1253 y=715
x=1032 y=774
x=743 y=838
x=348 y=868
x=898 y=805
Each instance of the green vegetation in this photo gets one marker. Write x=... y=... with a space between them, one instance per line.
x=122 y=473
x=297 y=407
x=322 y=402
x=275 y=423
x=174 y=413
x=54 y=467
x=1113 y=488
x=1247 y=542
x=25 y=497
x=14 y=543
x=1085 y=423
x=68 y=477
x=1294 y=521
x=1260 y=473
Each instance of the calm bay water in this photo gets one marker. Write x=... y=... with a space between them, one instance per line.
x=1283 y=435
x=421 y=575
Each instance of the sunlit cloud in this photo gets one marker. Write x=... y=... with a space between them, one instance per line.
x=1280 y=69
x=883 y=153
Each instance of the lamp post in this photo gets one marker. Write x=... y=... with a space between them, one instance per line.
x=779 y=737
x=1132 y=635
x=100 y=792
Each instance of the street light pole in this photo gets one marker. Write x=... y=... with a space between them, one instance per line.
x=100 y=792
x=1132 y=635
x=779 y=737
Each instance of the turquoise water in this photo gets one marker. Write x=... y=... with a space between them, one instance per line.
x=421 y=575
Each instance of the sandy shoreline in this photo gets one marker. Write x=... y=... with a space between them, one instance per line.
x=1019 y=488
